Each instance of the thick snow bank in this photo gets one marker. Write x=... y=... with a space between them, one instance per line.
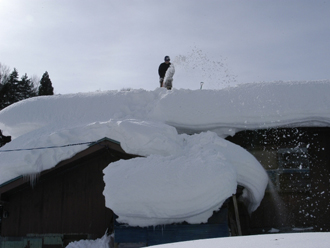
x=225 y=111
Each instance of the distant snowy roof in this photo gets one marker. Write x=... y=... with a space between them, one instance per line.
x=147 y=123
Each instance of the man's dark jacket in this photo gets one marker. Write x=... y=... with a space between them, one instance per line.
x=162 y=69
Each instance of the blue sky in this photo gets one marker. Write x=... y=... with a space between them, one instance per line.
x=110 y=45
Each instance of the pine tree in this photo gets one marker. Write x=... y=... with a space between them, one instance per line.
x=4 y=74
x=26 y=88
x=4 y=95
x=14 y=90
x=45 y=87
x=8 y=92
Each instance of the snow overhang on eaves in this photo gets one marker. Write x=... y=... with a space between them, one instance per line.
x=104 y=143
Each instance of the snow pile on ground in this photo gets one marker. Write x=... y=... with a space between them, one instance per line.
x=297 y=240
x=146 y=123
x=301 y=240
x=103 y=242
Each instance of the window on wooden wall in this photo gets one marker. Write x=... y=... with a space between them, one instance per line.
x=288 y=168
x=293 y=172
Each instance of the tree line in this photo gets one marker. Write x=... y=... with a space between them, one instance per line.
x=14 y=89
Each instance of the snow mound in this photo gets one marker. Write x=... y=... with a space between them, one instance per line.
x=187 y=185
x=103 y=242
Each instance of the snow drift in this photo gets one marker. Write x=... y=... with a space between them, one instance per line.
x=187 y=185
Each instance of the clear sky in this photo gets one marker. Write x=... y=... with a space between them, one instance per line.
x=110 y=44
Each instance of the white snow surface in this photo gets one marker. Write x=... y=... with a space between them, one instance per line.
x=188 y=184
x=196 y=172
x=103 y=242
x=295 y=240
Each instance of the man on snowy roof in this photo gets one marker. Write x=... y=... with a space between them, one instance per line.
x=164 y=73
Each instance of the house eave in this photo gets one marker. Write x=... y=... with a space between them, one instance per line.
x=102 y=144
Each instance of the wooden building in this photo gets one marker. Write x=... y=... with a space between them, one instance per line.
x=64 y=203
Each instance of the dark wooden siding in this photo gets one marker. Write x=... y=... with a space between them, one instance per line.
x=67 y=201
x=301 y=200
x=217 y=226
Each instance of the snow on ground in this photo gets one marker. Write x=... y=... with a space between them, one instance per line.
x=296 y=240
x=146 y=123
x=103 y=242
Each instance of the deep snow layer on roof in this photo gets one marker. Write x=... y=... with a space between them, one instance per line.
x=145 y=123
x=247 y=106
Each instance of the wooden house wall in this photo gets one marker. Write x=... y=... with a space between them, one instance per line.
x=305 y=206
x=69 y=201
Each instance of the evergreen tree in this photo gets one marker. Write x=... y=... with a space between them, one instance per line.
x=8 y=92
x=4 y=95
x=45 y=87
x=14 y=90
x=3 y=81
x=26 y=88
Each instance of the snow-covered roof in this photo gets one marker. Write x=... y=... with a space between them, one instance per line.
x=147 y=123
x=247 y=106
